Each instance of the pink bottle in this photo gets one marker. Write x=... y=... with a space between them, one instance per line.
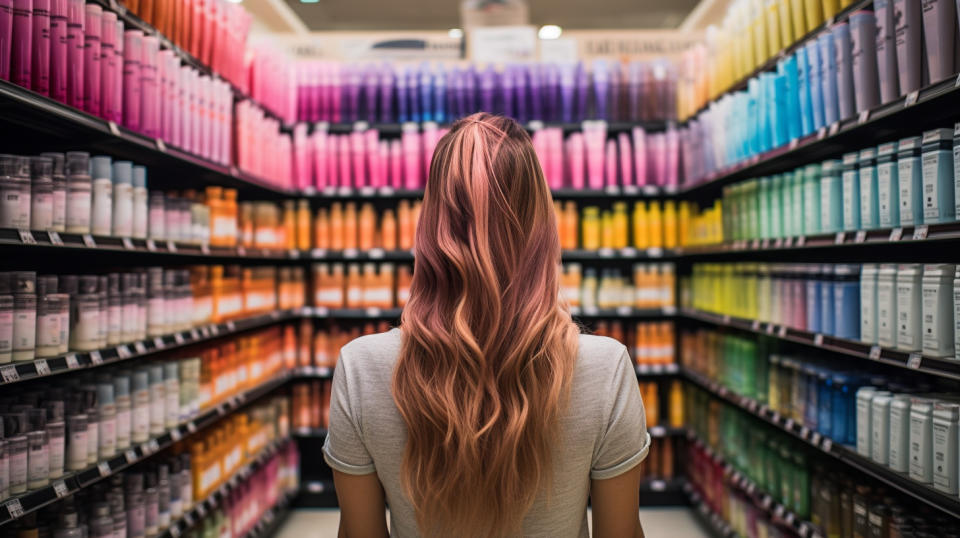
x=109 y=69
x=118 y=44
x=58 y=50
x=374 y=162
x=163 y=63
x=640 y=156
x=76 y=15
x=91 y=59
x=333 y=170
x=575 y=157
x=555 y=152
x=40 y=69
x=412 y=155
x=610 y=164
x=343 y=161
x=149 y=87
x=594 y=137
x=320 y=142
x=358 y=158
x=22 y=43
x=396 y=164
x=202 y=117
x=672 y=149
x=335 y=92
x=539 y=140
x=626 y=160
x=184 y=103
x=132 y=45
x=6 y=36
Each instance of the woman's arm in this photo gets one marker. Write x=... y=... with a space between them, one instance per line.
x=362 y=508
x=616 y=506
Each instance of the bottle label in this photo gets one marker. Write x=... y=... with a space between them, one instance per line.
x=24 y=329
x=6 y=331
x=48 y=330
x=56 y=454
x=59 y=216
x=78 y=212
x=39 y=466
x=77 y=450
x=18 y=472
x=123 y=427
x=884 y=175
x=931 y=194
x=108 y=436
x=41 y=211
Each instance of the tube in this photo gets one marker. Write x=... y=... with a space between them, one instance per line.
x=863 y=26
x=939 y=18
x=40 y=70
x=91 y=59
x=22 y=43
x=841 y=39
x=908 y=25
x=886 y=50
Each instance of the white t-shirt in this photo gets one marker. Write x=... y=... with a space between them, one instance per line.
x=603 y=432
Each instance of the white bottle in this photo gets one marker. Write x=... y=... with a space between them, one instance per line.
x=101 y=214
x=139 y=202
x=122 y=199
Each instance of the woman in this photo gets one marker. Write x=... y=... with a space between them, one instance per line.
x=486 y=414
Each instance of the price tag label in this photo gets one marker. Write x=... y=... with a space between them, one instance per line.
x=911 y=98
x=789 y=424
x=123 y=351
x=914 y=361
x=655 y=252
x=141 y=349
x=755 y=325
x=151 y=245
x=215 y=330
x=778 y=511
x=920 y=232
x=175 y=531
x=205 y=331
x=127 y=243
x=875 y=352
x=103 y=468
x=159 y=343
x=350 y=253
x=178 y=338
x=860 y=237
x=72 y=363
x=834 y=128
x=794 y=143
x=202 y=510
x=864 y=117
x=95 y=358
x=26 y=237
x=194 y=334
x=175 y=434
x=801 y=241
x=231 y=326
x=782 y=331
x=154 y=445
x=205 y=248
x=55 y=238
x=770 y=328
x=14 y=508
x=60 y=489
x=624 y=311
x=896 y=234
x=821 y=133
x=161 y=145
x=827 y=444
x=88 y=241
x=818 y=339
x=188 y=518
x=9 y=373
x=839 y=239
x=815 y=439
x=804 y=432
x=171 y=246
x=130 y=455
x=42 y=367
x=191 y=427
x=658 y=485
x=241 y=251
x=112 y=125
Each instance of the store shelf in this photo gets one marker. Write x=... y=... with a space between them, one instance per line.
x=310 y=433
x=884 y=240
x=395 y=129
x=33 y=121
x=271 y=520
x=920 y=492
x=18 y=506
x=935 y=366
x=652 y=370
x=354 y=313
x=78 y=360
x=661 y=432
x=313 y=372
x=111 y=247
x=776 y=512
x=625 y=254
x=707 y=517
x=348 y=194
x=613 y=193
x=936 y=105
x=357 y=255
x=211 y=502
x=624 y=312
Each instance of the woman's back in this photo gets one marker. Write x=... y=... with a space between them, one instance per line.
x=602 y=431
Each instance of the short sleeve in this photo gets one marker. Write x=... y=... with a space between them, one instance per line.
x=343 y=449
x=624 y=442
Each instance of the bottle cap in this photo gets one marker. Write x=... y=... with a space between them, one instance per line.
x=105 y=393
x=57 y=159
x=101 y=167
x=140 y=176
x=41 y=168
x=141 y=380
x=46 y=284
x=78 y=163
x=123 y=172
x=171 y=370
x=55 y=410
x=121 y=385
x=37 y=419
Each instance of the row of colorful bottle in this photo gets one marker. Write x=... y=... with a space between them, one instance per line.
x=355 y=286
x=652 y=286
x=650 y=343
x=384 y=93
x=650 y=225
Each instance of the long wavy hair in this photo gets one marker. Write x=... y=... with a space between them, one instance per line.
x=488 y=347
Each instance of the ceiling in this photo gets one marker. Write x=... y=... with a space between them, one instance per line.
x=358 y=15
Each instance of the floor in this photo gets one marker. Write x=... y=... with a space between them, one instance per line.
x=657 y=523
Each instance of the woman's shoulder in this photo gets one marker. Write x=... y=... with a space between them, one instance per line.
x=600 y=349
x=379 y=349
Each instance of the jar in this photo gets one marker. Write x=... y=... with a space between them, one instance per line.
x=41 y=193
x=50 y=314
x=85 y=317
x=14 y=192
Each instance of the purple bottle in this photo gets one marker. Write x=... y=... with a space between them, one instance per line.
x=551 y=93
x=520 y=89
x=387 y=81
x=601 y=88
x=353 y=77
x=403 y=114
x=58 y=50
x=22 y=43
x=6 y=36
x=634 y=87
x=470 y=91
x=488 y=88
x=568 y=88
x=454 y=89
x=506 y=93
x=40 y=69
x=413 y=95
x=583 y=92
x=371 y=84
x=91 y=59
x=616 y=92
x=536 y=81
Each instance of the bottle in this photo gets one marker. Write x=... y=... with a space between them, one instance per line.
x=4 y=465
x=101 y=524
x=102 y=202
x=14 y=192
x=163 y=496
x=69 y=526
x=93 y=423
x=121 y=392
x=123 y=213
x=134 y=500
x=56 y=434
x=15 y=427
x=24 y=315
x=38 y=450
x=171 y=381
x=59 y=216
x=77 y=433
x=140 y=413
x=303 y=225
x=41 y=193
x=114 y=310
x=107 y=410
x=79 y=192
x=151 y=503
x=139 y=209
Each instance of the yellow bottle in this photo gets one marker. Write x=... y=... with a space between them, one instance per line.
x=606 y=230
x=813 y=14
x=655 y=226
x=591 y=228
x=570 y=224
x=830 y=8
x=771 y=9
x=676 y=404
x=620 y=225
x=640 y=233
x=669 y=224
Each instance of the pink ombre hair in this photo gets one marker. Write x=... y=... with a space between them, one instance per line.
x=488 y=348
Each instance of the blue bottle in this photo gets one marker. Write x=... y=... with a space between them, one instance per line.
x=846 y=297
x=851 y=192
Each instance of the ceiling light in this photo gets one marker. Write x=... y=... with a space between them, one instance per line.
x=309 y=1
x=455 y=33
x=549 y=31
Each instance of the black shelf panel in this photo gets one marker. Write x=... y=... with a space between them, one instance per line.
x=654 y=370
x=771 y=64
x=348 y=194
x=709 y=520
x=883 y=240
x=16 y=507
x=776 y=512
x=313 y=372
x=34 y=121
x=211 y=502
x=579 y=255
x=310 y=433
x=946 y=503
x=354 y=313
x=935 y=366
x=358 y=255
x=629 y=192
x=624 y=254
x=124 y=246
x=936 y=105
x=79 y=360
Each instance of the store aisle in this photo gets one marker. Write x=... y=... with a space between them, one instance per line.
x=657 y=523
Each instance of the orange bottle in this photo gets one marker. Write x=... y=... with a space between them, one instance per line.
x=405 y=220
x=385 y=284
x=230 y=212
x=367 y=227
x=354 y=286
x=570 y=224
x=388 y=225
x=350 y=223
x=303 y=225
x=336 y=227
x=321 y=230
x=404 y=277
x=289 y=225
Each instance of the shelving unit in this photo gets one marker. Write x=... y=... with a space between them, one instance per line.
x=18 y=506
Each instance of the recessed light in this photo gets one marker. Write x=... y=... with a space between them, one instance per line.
x=549 y=31
x=455 y=33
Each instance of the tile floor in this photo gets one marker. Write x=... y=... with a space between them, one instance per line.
x=657 y=523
